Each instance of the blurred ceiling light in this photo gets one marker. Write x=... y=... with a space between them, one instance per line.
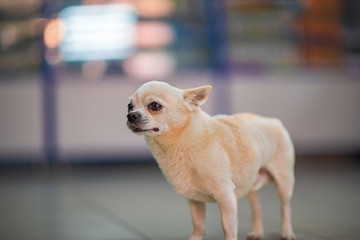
x=151 y=34
x=98 y=32
x=149 y=65
x=53 y=33
x=155 y=8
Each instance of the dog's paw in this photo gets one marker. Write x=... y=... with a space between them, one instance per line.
x=288 y=237
x=196 y=237
x=254 y=236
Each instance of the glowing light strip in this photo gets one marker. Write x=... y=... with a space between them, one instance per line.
x=100 y=32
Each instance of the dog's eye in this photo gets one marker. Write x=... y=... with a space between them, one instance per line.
x=130 y=107
x=154 y=106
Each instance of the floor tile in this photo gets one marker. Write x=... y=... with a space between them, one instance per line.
x=135 y=202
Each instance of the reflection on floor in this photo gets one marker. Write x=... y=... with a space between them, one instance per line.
x=133 y=202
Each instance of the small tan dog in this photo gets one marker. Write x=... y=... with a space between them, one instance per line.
x=214 y=159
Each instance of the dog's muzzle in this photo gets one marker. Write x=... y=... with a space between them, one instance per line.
x=136 y=122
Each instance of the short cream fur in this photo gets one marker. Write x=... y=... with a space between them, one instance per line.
x=214 y=158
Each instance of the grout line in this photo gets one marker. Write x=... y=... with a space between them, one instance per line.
x=317 y=236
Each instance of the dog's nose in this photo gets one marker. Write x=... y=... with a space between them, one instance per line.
x=132 y=117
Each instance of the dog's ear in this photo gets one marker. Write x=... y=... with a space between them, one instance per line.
x=196 y=96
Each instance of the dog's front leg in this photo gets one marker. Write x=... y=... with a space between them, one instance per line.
x=228 y=208
x=198 y=216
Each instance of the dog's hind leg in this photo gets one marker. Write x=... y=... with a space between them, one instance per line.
x=257 y=230
x=283 y=174
x=285 y=188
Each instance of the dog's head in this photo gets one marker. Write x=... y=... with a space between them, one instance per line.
x=157 y=107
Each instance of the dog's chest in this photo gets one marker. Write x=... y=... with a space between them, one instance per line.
x=180 y=172
x=177 y=170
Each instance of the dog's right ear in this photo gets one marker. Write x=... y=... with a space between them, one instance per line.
x=196 y=96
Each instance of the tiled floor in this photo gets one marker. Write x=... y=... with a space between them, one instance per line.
x=134 y=202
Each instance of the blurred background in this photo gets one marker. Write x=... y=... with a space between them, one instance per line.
x=71 y=170
x=68 y=67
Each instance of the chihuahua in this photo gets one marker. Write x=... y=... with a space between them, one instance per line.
x=214 y=158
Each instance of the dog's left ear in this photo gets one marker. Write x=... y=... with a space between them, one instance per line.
x=196 y=96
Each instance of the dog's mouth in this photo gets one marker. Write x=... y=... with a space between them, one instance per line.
x=139 y=130
x=136 y=129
